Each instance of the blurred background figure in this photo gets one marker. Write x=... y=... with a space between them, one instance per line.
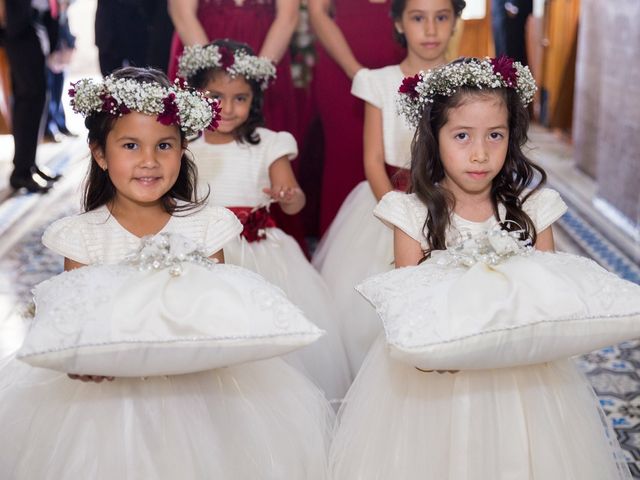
x=132 y=32
x=351 y=35
x=509 y=20
x=59 y=58
x=119 y=37
x=31 y=29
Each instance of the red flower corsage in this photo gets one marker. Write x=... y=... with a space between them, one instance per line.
x=255 y=222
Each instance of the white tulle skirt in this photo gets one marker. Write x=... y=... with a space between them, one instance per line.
x=279 y=259
x=538 y=422
x=257 y=420
x=356 y=246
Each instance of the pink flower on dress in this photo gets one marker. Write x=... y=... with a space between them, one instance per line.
x=409 y=85
x=170 y=114
x=503 y=66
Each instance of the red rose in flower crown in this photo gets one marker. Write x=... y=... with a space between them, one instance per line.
x=170 y=115
x=226 y=57
x=409 y=85
x=504 y=66
x=111 y=105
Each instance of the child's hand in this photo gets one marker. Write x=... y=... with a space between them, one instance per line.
x=90 y=378
x=284 y=195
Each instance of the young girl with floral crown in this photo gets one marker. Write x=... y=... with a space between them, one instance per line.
x=357 y=245
x=260 y=419
x=469 y=176
x=248 y=167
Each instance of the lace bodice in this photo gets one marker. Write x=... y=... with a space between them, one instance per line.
x=408 y=213
x=96 y=237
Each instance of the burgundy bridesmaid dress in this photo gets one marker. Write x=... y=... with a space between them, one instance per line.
x=368 y=29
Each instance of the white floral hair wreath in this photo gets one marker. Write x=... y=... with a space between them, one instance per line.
x=177 y=105
x=501 y=72
x=197 y=57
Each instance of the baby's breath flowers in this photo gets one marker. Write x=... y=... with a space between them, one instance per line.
x=177 y=105
x=503 y=72
x=197 y=57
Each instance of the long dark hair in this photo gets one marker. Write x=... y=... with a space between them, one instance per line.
x=517 y=174
x=98 y=188
x=397 y=9
x=247 y=131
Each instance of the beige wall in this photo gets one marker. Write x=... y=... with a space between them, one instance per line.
x=606 y=120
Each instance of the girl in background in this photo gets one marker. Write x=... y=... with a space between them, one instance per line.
x=352 y=34
x=267 y=27
x=357 y=245
x=248 y=168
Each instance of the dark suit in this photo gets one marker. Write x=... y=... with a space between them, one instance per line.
x=509 y=31
x=121 y=30
x=28 y=83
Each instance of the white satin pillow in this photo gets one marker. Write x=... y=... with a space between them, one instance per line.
x=120 y=321
x=525 y=310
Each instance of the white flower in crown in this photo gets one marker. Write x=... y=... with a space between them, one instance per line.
x=502 y=72
x=196 y=57
x=177 y=105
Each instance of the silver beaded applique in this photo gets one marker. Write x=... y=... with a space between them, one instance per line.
x=167 y=250
x=490 y=247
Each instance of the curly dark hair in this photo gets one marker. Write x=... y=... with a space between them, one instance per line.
x=517 y=174
x=98 y=188
x=398 y=6
x=247 y=131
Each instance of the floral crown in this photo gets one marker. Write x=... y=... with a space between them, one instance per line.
x=177 y=105
x=501 y=72
x=197 y=57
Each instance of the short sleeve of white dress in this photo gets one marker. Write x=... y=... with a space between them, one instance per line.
x=277 y=145
x=67 y=238
x=364 y=86
x=404 y=211
x=544 y=207
x=221 y=227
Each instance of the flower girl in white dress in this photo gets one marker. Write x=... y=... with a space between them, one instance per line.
x=247 y=167
x=260 y=419
x=535 y=421
x=357 y=245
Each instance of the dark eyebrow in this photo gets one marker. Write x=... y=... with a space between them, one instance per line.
x=442 y=10
x=136 y=140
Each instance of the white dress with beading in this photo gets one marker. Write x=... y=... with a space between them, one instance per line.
x=236 y=173
x=260 y=419
x=535 y=422
x=357 y=245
